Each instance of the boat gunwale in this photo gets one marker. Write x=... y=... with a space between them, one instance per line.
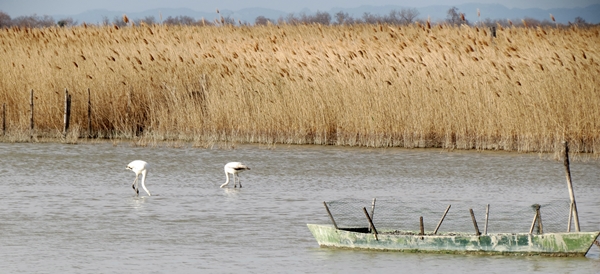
x=364 y=230
x=450 y=251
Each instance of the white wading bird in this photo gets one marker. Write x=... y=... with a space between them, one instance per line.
x=234 y=168
x=139 y=166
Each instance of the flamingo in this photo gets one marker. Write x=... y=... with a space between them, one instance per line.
x=139 y=167
x=234 y=168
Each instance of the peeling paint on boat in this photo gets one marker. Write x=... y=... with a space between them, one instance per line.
x=548 y=244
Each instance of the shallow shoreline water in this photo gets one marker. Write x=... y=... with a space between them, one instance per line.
x=71 y=209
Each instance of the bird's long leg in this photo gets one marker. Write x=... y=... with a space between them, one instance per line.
x=137 y=191
x=239 y=181
x=235 y=180
x=133 y=184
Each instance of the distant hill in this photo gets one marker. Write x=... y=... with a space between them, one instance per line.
x=437 y=13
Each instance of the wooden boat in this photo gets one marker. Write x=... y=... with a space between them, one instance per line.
x=566 y=244
x=558 y=244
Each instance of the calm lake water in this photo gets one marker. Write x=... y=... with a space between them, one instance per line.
x=71 y=209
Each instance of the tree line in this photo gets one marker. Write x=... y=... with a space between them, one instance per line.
x=404 y=16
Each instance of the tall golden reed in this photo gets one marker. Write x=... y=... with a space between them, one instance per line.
x=367 y=85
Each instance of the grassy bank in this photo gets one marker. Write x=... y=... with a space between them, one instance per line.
x=369 y=85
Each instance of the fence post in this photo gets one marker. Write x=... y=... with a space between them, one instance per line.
x=31 y=116
x=67 y=112
x=3 y=119
x=89 y=114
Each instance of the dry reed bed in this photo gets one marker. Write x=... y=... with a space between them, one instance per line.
x=450 y=87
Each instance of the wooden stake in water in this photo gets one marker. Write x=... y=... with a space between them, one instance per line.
x=330 y=216
x=487 y=215
x=441 y=220
x=535 y=218
x=570 y=185
x=373 y=229
x=421 y=226
x=373 y=209
x=477 y=233
x=570 y=218
x=533 y=223
x=539 y=219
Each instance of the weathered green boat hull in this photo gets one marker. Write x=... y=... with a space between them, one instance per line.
x=548 y=244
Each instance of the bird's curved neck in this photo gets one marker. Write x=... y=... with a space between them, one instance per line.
x=143 y=183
